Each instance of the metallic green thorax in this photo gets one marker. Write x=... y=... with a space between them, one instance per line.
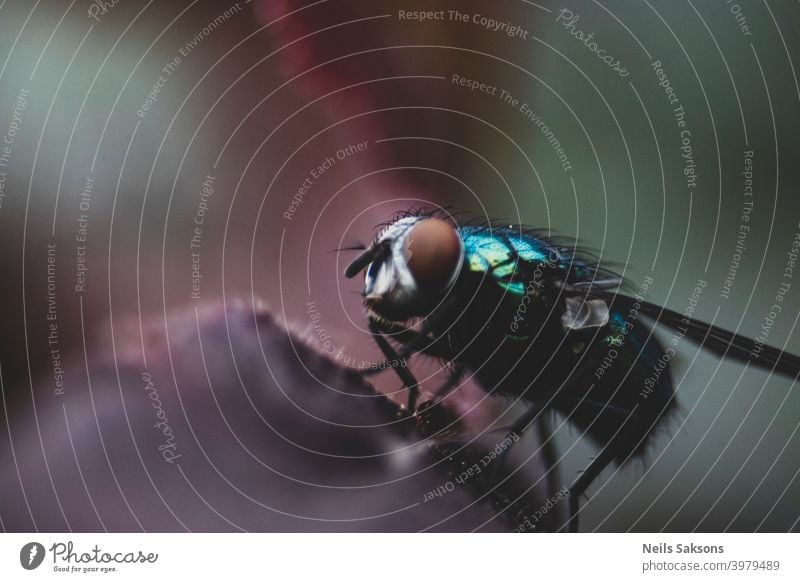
x=499 y=251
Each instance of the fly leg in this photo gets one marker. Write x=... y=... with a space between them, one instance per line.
x=523 y=422
x=406 y=337
x=519 y=427
x=549 y=457
x=423 y=344
x=580 y=484
x=396 y=363
x=432 y=416
x=415 y=342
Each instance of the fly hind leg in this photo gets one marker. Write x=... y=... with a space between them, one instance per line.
x=519 y=427
x=580 y=484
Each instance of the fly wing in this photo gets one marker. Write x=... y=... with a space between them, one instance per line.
x=717 y=340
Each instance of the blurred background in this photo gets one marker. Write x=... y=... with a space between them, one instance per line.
x=162 y=158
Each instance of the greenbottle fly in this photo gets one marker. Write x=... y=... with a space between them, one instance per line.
x=535 y=319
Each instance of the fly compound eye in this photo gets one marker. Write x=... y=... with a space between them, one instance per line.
x=432 y=251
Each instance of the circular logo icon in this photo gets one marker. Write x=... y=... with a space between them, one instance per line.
x=31 y=555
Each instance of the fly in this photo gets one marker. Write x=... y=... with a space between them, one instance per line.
x=535 y=319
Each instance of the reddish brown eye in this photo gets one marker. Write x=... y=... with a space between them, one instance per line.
x=432 y=252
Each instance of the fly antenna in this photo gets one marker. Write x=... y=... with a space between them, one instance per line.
x=373 y=253
x=353 y=247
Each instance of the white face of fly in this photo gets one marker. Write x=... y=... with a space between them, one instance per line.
x=388 y=282
x=421 y=260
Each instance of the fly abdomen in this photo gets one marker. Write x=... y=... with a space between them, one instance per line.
x=626 y=394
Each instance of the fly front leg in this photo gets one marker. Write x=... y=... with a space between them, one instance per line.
x=428 y=345
x=397 y=363
x=413 y=341
x=424 y=338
